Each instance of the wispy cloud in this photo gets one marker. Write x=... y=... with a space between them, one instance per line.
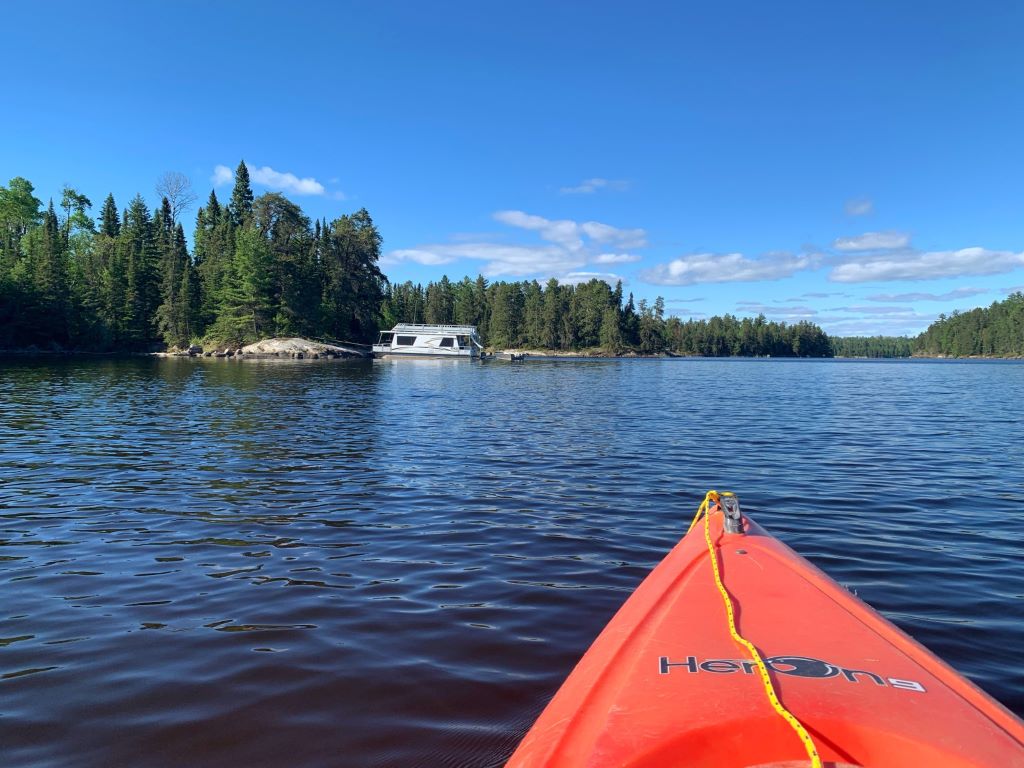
x=568 y=247
x=959 y=293
x=913 y=265
x=876 y=325
x=859 y=207
x=700 y=268
x=775 y=312
x=616 y=258
x=286 y=182
x=873 y=310
x=590 y=186
x=690 y=314
x=575 y=278
x=818 y=295
x=569 y=234
x=267 y=177
x=222 y=175
x=872 y=241
x=500 y=260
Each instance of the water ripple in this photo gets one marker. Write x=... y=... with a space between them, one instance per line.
x=397 y=563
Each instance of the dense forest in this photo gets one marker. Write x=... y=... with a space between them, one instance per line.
x=591 y=315
x=259 y=267
x=126 y=280
x=872 y=346
x=994 y=331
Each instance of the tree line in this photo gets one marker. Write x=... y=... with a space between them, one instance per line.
x=127 y=280
x=993 y=331
x=591 y=315
x=259 y=267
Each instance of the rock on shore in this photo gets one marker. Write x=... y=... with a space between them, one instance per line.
x=299 y=349
x=290 y=348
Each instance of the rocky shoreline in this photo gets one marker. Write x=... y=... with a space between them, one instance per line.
x=293 y=348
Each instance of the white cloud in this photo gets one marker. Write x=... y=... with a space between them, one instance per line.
x=501 y=260
x=873 y=241
x=878 y=325
x=686 y=312
x=569 y=246
x=775 y=312
x=818 y=295
x=569 y=234
x=590 y=186
x=959 y=293
x=280 y=180
x=222 y=175
x=859 y=207
x=286 y=182
x=417 y=255
x=575 y=278
x=727 y=268
x=616 y=258
x=927 y=266
x=868 y=310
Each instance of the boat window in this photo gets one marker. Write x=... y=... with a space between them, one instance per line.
x=405 y=341
x=463 y=341
x=447 y=341
x=385 y=338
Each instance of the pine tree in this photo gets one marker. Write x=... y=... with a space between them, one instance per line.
x=110 y=224
x=611 y=330
x=246 y=297
x=139 y=258
x=241 y=196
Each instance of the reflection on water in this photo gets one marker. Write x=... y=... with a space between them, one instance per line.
x=213 y=562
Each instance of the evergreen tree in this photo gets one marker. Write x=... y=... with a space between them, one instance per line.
x=138 y=256
x=178 y=288
x=353 y=285
x=110 y=224
x=611 y=330
x=246 y=297
x=241 y=196
x=551 y=320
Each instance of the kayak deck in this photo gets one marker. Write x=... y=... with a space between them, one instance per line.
x=665 y=684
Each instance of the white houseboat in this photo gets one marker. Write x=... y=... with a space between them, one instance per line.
x=411 y=340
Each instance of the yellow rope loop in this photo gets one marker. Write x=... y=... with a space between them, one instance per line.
x=766 y=681
x=709 y=498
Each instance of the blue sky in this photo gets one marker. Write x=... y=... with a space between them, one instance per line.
x=854 y=164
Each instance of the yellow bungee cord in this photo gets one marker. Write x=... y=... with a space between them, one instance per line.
x=766 y=681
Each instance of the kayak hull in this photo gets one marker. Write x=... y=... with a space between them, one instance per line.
x=665 y=684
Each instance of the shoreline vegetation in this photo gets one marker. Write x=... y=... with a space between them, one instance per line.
x=259 y=268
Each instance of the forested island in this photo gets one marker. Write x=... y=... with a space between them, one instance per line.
x=126 y=281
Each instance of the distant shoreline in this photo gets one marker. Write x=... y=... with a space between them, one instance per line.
x=222 y=351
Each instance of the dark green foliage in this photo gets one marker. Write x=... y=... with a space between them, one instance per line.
x=749 y=337
x=440 y=303
x=872 y=346
x=214 y=250
x=179 y=289
x=131 y=284
x=138 y=257
x=241 y=196
x=110 y=223
x=353 y=285
x=591 y=315
x=994 y=331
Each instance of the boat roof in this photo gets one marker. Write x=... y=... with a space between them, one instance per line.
x=468 y=330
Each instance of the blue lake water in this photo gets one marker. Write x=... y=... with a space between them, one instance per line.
x=396 y=563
